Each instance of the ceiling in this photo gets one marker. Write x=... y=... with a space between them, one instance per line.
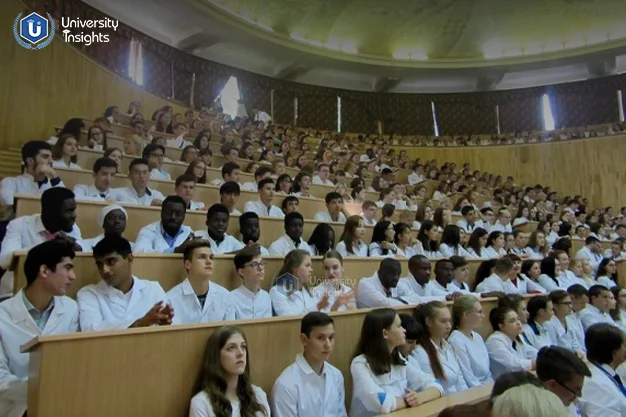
x=394 y=45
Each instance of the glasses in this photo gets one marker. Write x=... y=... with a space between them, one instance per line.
x=256 y=265
x=578 y=393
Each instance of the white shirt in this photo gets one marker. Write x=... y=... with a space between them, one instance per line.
x=283 y=245
x=448 y=251
x=262 y=116
x=494 y=283
x=150 y=239
x=594 y=258
x=499 y=227
x=22 y=184
x=261 y=209
x=262 y=249
x=187 y=307
x=160 y=174
x=603 y=397
x=409 y=251
x=294 y=303
x=59 y=163
x=318 y=181
x=201 y=405
x=324 y=216
x=591 y=315
x=22 y=234
x=503 y=357
x=178 y=142
x=360 y=251
x=198 y=205
x=250 y=305
x=474 y=255
x=130 y=196
x=371 y=294
x=326 y=287
x=454 y=381
x=300 y=392
x=473 y=358
x=250 y=186
x=228 y=245
x=414 y=293
x=572 y=338
x=103 y=307
x=540 y=340
x=606 y=281
x=415 y=178
x=376 y=394
x=376 y=251
x=91 y=193
x=469 y=228
x=367 y=222
x=17 y=328
x=491 y=253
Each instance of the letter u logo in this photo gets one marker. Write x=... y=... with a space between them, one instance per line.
x=31 y=29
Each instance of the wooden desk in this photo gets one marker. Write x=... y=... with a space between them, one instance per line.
x=151 y=372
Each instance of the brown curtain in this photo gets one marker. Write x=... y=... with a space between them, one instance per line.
x=318 y=112
x=359 y=112
x=464 y=114
x=283 y=107
x=407 y=114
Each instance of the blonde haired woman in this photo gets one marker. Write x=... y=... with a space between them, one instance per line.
x=528 y=401
x=133 y=145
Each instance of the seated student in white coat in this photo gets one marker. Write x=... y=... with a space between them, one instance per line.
x=112 y=219
x=495 y=246
x=249 y=300
x=294 y=226
x=334 y=209
x=197 y=299
x=104 y=170
x=217 y=218
x=38 y=176
x=250 y=229
x=380 y=290
x=323 y=171
x=311 y=387
x=468 y=222
x=506 y=352
x=382 y=380
x=500 y=280
x=224 y=378
x=168 y=235
x=540 y=313
x=383 y=237
x=451 y=242
x=417 y=287
x=260 y=174
x=120 y=300
x=601 y=301
x=263 y=207
x=231 y=171
x=504 y=222
x=41 y=308
x=138 y=192
x=434 y=354
x=351 y=241
x=229 y=194
x=469 y=346
x=369 y=212
x=564 y=328
x=154 y=153
x=406 y=244
x=591 y=251
x=185 y=188
x=604 y=390
x=57 y=219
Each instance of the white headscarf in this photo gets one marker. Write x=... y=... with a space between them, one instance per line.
x=106 y=210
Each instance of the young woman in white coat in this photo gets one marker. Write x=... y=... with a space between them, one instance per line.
x=469 y=346
x=382 y=380
x=340 y=296
x=351 y=240
x=434 y=354
x=540 y=312
x=223 y=388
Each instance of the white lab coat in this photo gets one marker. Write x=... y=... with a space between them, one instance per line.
x=228 y=245
x=150 y=239
x=22 y=184
x=318 y=181
x=591 y=315
x=494 y=283
x=17 y=327
x=491 y=253
x=297 y=303
x=594 y=258
x=160 y=174
x=249 y=305
x=473 y=358
x=455 y=382
x=376 y=251
x=91 y=193
x=503 y=358
x=603 y=397
x=360 y=251
x=129 y=195
x=262 y=211
x=178 y=142
x=283 y=245
x=414 y=293
x=103 y=307
x=300 y=392
x=324 y=216
x=59 y=163
x=201 y=405
x=540 y=340
x=371 y=294
x=22 y=234
x=88 y=244
x=327 y=287
x=448 y=251
x=187 y=308
x=572 y=338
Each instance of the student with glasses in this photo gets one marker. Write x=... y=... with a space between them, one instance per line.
x=250 y=301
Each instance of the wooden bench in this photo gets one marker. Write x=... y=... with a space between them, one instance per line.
x=151 y=372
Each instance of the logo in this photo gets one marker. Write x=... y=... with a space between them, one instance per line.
x=287 y=284
x=33 y=31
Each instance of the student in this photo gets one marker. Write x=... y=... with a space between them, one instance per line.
x=506 y=353
x=224 y=380
x=382 y=240
x=340 y=296
x=504 y=222
x=120 y=300
x=290 y=204
x=154 y=154
x=40 y=308
x=230 y=172
x=369 y=211
x=500 y=280
x=486 y=221
x=468 y=222
x=249 y=300
x=334 y=209
x=185 y=187
x=382 y=381
x=495 y=245
x=260 y=174
x=428 y=236
x=551 y=278
x=57 y=218
x=229 y=194
x=444 y=273
x=322 y=239
x=294 y=226
x=169 y=235
x=104 y=170
x=417 y=287
x=406 y=245
x=476 y=246
x=351 y=240
x=64 y=152
x=217 y=218
x=618 y=312
x=434 y=354
x=380 y=290
x=250 y=229
x=591 y=251
x=607 y=273
x=540 y=313
x=321 y=178
x=264 y=206
x=460 y=275
x=138 y=192
x=604 y=390
x=469 y=346
x=112 y=219
x=451 y=242
x=197 y=299
x=564 y=328
x=520 y=239
x=311 y=386
x=292 y=288
x=597 y=311
x=537 y=247
x=38 y=176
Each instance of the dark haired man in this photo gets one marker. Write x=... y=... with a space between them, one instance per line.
x=104 y=170
x=168 y=235
x=138 y=192
x=217 y=218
